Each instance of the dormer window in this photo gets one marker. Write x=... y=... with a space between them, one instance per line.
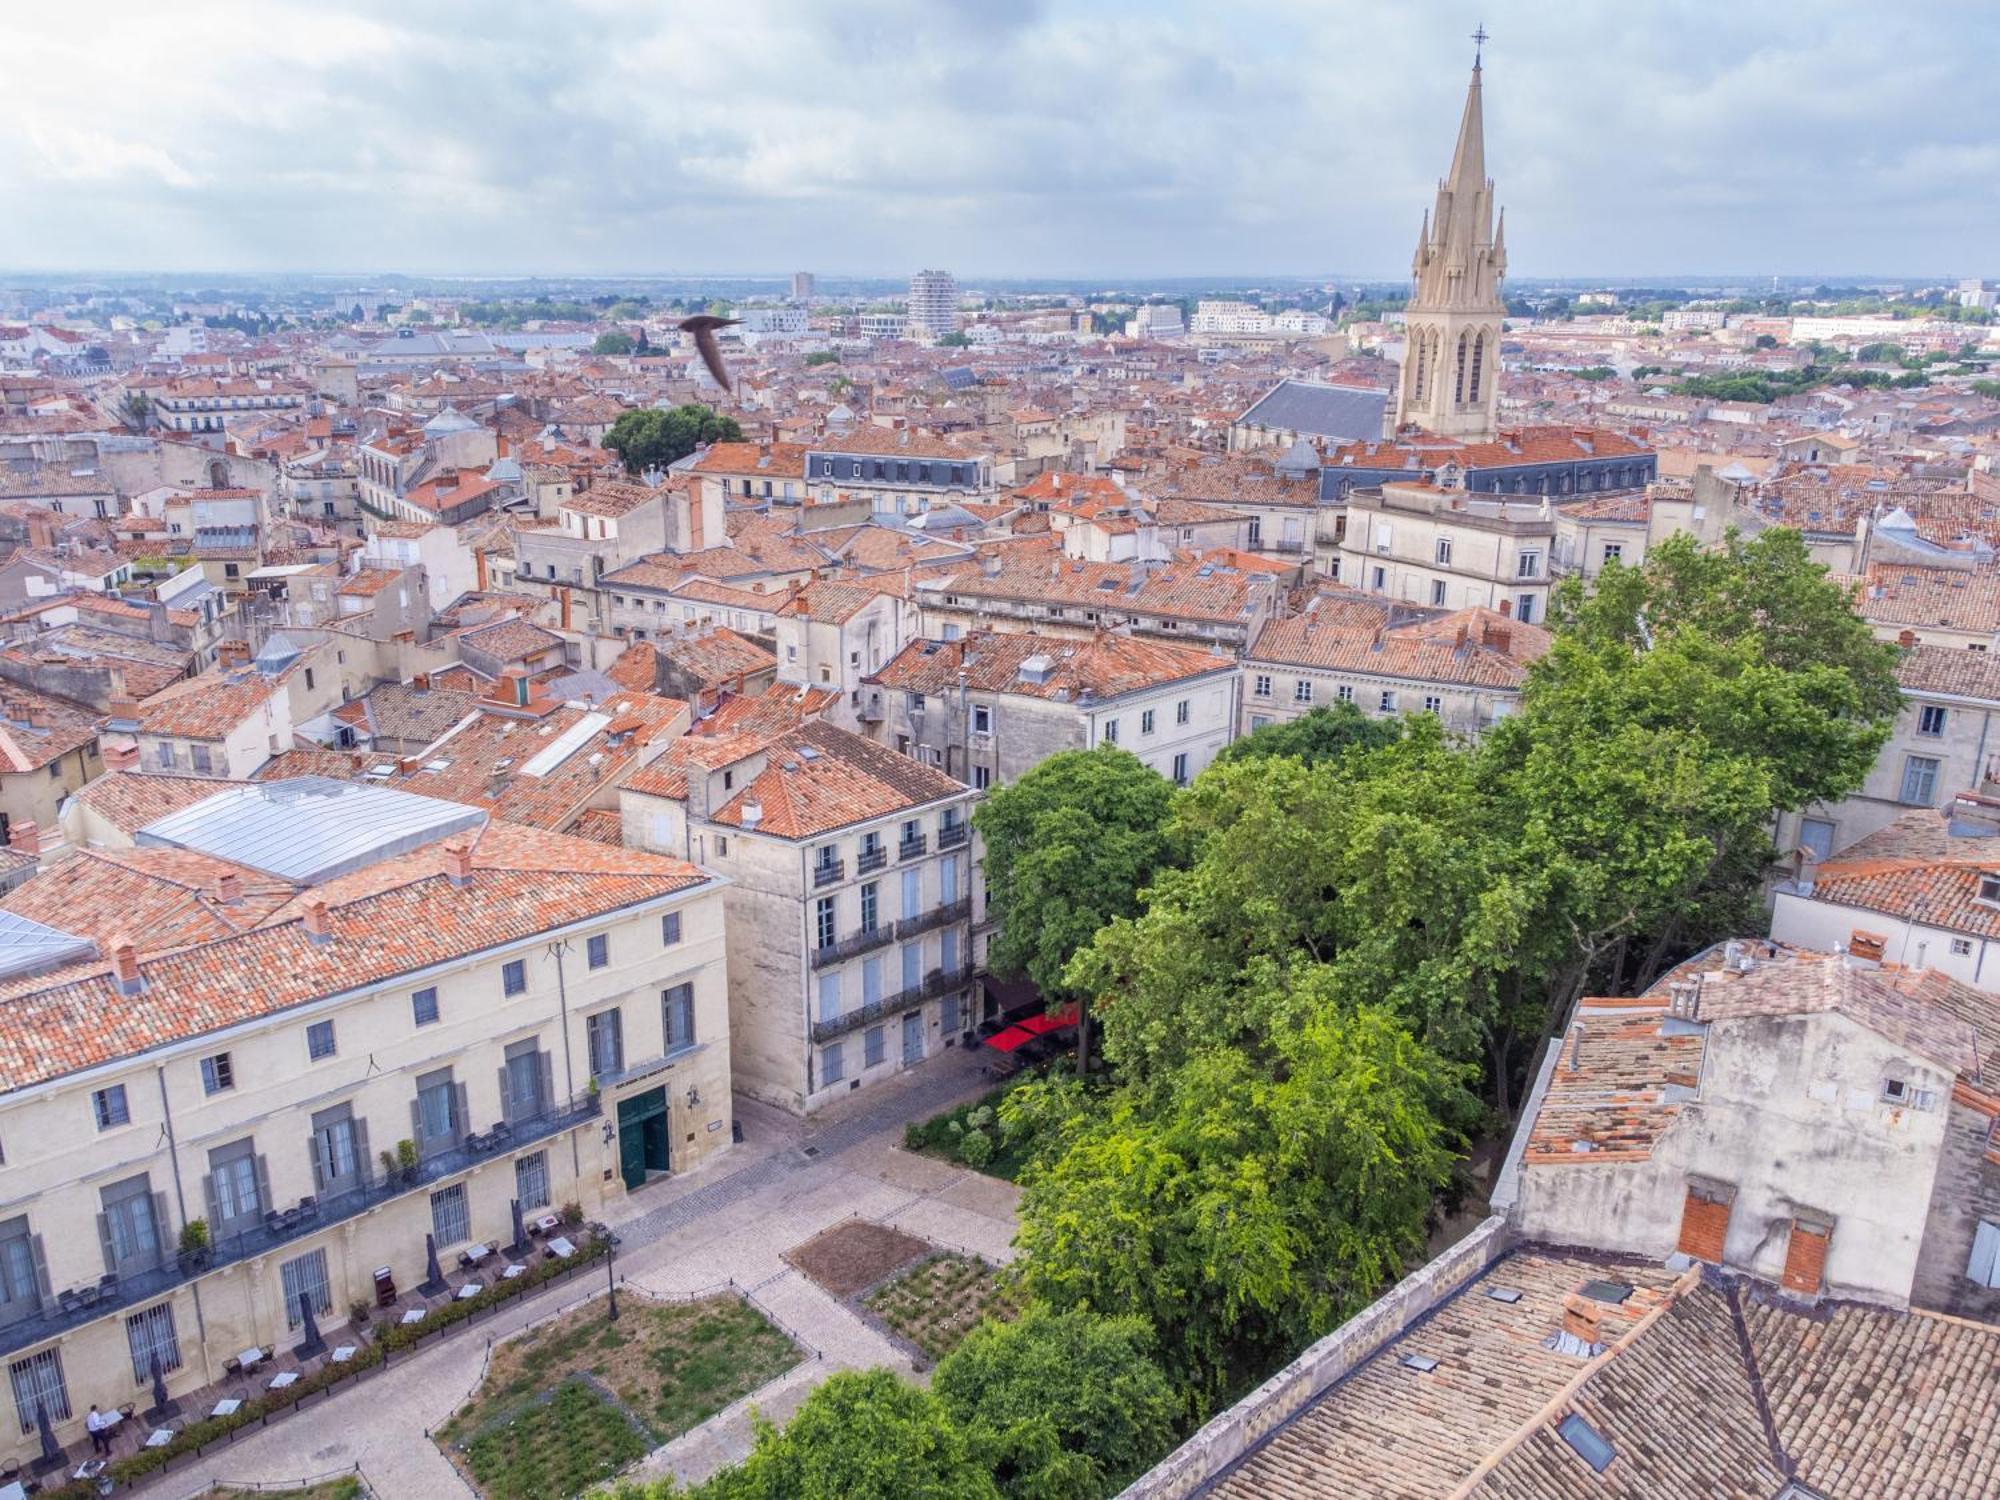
x=1989 y=889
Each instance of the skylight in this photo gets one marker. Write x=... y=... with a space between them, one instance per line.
x=1423 y=1364
x=1589 y=1444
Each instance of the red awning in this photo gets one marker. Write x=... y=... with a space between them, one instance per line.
x=1008 y=1040
x=1036 y=1025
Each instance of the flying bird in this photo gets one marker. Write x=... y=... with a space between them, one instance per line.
x=703 y=326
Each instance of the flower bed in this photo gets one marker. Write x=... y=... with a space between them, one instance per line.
x=560 y=1445
x=938 y=1301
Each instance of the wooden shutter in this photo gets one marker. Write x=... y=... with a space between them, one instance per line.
x=545 y=1082
x=364 y=1164
x=417 y=1120
x=462 y=1115
x=208 y=1201
x=1805 y=1257
x=42 y=1283
x=319 y=1162
x=104 y=1240
x=264 y=1198
x=506 y=1094
x=1984 y=1267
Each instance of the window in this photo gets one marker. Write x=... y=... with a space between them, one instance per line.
x=1181 y=769
x=424 y=1005
x=1816 y=837
x=679 y=1003
x=234 y=1187
x=217 y=1076
x=1528 y=565
x=438 y=1116
x=1302 y=690
x=304 y=1278
x=913 y=965
x=451 y=1216
x=524 y=1081
x=597 y=950
x=514 y=976
x=1984 y=1267
x=319 y=1040
x=982 y=778
x=39 y=1388
x=531 y=1180
x=1705 y=1220
x=1146 y=722
x=1920 y=781
x=109 y=1105
x=203 y=763
x=21 y=1273
x=129 y=1225
x=829 y=996
x=1378 y=579
x=1524 y=608
x=871 y=905
x=1444 y=552
x=1586 y=1442
x=913 y=893
x=1930 y=720
x=1433 y=704
x=339 y=1149
x=1437 y=591
x=832 y=1066
x=948 y=950
x=149 y=1335
x=1613 y=551
x=1344 y=693
x=874 y=1045
x=1961 y=947
x=1388 y=703
x=1110 y=731
x=982 y=719
x=948 y=879
x=722 y=846
x=1262 y=689
x=670 y=929
x=826 y=859
x=823 y=922
x=604 y=1037
x=871 y=981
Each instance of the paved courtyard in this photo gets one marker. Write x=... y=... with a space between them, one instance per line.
x=733 y=1220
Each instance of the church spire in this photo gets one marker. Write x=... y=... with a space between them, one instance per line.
x=1468 y=158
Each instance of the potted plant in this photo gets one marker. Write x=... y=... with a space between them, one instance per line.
x=194 y=1245
x=572 y=1214
x=357 y=1312
x=406 y=1159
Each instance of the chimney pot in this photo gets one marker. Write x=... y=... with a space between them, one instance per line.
x=120 y=753
x=125 y=966
x=458 y=864
x=1581 y=1316
x=316 y=925
x=229 y=888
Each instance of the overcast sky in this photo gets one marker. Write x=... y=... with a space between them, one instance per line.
x=993 y=137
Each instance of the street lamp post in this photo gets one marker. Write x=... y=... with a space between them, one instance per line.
x=611 y=1278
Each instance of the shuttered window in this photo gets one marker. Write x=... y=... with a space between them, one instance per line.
x=1705 y=1223
x=531 y=1180
x=1805 y=1256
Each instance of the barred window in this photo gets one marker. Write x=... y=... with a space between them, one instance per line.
x=305 y=1277
x=151 y=1333
x=38 y=1382
x=451 y=1217
x=531 y=1180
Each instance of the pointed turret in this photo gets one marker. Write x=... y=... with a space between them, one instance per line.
x=1468 y=158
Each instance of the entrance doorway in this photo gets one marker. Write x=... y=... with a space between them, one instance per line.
x=913 y=1038
x=642 y=1136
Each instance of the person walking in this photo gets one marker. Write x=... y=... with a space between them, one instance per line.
x=99 y=1425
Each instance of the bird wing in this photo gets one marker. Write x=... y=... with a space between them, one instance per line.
x=704 y=342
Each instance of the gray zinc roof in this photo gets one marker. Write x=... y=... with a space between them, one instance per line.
x=1311 y=409
x=310 y=828
x=29 y=947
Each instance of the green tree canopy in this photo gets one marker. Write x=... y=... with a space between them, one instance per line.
x=956 y=339
x=1242 y=1212
x=613 y=342
x=648 y=437
x=1068 y=848
x=1060 y=1405
x=1319 y=734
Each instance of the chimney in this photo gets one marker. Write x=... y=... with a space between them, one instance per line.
x=1576 y=1048
x=458 y=865
x=1907 y=639
x=27 y=838
x=421 y=682
x=1684 y=999
x=229 y=888
x=317 y=930
x=514 y=686
x=447 y=479
x=1507 y=607
x=232 y=653
x=1464 y=635
x=120 y=753
x=1581 y=1316
x=125 y=966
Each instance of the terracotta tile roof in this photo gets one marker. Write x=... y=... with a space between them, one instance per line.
x=1923 y=833
x=1107 y=665
x=881 y=549
x=612 y=498
x=1942 y=598
x=307 y=760
x=1813 y=983
x=819 y=778
x=829 y=601
x=211 y=706
x=752 y=460
x=739 y=727
x=880 y=442
x=1937 y=891
x=1607 y=1098
x=716 y=656
x=510 y=640
x=129 y=800
x=600 y=825
x=1494 y=653
x=391 y=918
x=1190 y=587
x=1951 y=670
x=163 y=898
x=36 y=728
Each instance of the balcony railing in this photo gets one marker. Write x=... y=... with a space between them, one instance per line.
x=830 y=873
x=59 y=1314
x=853 y=945
x=935 y=983
x=937 y=916
x=913 y=848
x=953 y=834
x=870 y=859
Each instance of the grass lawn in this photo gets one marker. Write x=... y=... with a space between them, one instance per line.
x=937 y=1302
x=345 y=1488
x=555 y=1449
x=673 y=1365
x=943 y=1136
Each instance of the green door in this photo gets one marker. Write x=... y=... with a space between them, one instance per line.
x=642 y=1136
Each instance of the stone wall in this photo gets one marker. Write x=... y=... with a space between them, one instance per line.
x=1234 y=1433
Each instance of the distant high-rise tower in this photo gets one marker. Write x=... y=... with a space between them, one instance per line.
x=1451 y=360
x=802 y=286
x=933 y=303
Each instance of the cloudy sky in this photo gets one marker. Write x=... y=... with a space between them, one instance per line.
x=997 y=137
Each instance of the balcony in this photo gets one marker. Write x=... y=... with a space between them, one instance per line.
x=913 y=848
x=953 y=834
x=853 y=945
x=871 y=859
x=937 y=916
x=832 y=872
x=76 y=1307
x=935 y=983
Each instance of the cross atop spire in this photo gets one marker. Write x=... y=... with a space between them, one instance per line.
x=1480 y=38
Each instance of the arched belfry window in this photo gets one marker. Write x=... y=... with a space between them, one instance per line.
x=1478 y=367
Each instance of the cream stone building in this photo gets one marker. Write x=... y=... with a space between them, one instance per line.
x=852 y=884
x=1438 y=545
x=324 y=1020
